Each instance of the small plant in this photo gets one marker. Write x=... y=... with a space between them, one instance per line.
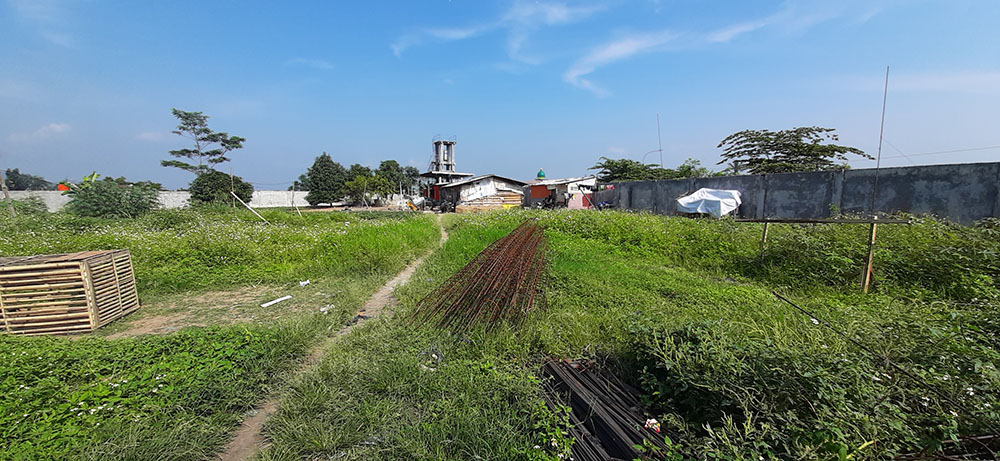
x=107 y=199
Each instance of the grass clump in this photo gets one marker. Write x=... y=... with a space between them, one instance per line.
x=162 y=397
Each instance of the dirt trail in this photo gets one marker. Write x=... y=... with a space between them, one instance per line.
x=249 y=437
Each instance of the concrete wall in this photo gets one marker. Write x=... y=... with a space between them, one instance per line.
x=960 y=192
x=55 y=201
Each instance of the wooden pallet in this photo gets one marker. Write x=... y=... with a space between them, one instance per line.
x=66 y=293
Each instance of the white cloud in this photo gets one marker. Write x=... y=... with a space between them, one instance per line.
x=45 y=132
x=616 y=50
x=314 y=63
x=151 y=136
x=50 y=17
x=521 y=20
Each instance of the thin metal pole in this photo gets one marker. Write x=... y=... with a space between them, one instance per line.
x=6 y=194
x=866 y=276
x=659 y=142
x=763 y=239
x=881 y=130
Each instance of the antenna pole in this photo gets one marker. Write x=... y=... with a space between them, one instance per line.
x=659 y=142
x=881 y=129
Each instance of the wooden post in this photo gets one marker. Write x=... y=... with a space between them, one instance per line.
x=866 y=276
x=763 y=240
x=293 y=201
x=232 y=185
x=6 y=194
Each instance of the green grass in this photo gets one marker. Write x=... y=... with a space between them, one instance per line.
x=154 y=397
x=183 y=250
x=683 y=310
x=93 y=398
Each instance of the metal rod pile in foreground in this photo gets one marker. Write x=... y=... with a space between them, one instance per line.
x=606 y=419
x=499 y=284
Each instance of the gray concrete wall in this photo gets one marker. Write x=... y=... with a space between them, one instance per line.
x=55 y=201
x=960 y=192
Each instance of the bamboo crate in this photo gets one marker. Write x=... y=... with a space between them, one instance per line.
x=66 y=293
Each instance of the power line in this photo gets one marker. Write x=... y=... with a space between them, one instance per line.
x=941 y=152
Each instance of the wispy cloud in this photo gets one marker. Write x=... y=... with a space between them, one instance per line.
x=794 y=17
x=520 y=21
x=314 y=63
x=49 y=16
x=151 y=135
x=616 y=50
x=45 y=132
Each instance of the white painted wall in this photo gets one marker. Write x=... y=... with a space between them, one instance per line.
x=55 y=201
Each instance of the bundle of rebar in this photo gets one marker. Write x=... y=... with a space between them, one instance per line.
x=606 y=421
x=499 y=285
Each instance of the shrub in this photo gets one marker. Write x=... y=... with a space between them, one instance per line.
x=214 y=187
x=107 y=199
x=30 y=206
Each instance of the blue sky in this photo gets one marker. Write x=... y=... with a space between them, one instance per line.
x=88 y=85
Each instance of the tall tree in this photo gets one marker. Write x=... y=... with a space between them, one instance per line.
x=393 y=173
x=22 y=181
x=412 y=176
x=324 y=180
x=364 y=190
x=210 y=147
x=358 y=170
x=797 y=149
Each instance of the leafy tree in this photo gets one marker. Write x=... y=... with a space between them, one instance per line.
x=121 y=181
x=412 y=175
x=392 y=173
x=107 y=199
x=798 y=149
x=692 y=168
x=365 y=189
x=358 y=170
x=630 y=170
x=23 y=181
x=324 y=180
x=214 y=186
x=210 y=147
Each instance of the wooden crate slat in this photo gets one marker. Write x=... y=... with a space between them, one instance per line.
x=66 y=293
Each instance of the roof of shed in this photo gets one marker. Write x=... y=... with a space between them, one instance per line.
x=477 y=178
x=554 y=182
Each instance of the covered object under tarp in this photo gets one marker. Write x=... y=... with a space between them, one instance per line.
x=716 y=202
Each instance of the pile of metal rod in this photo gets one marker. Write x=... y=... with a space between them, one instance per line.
x=499 y=285
x=606 y=420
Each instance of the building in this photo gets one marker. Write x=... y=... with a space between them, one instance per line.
x=441 y=170
x=573 y=193
x=485 y=192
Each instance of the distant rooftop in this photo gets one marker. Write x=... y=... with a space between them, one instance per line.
x=477 y=178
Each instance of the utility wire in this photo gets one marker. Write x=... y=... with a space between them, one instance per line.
x=939 y=152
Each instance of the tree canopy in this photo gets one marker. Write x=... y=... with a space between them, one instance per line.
x=630 y=170
x=403 y=179
x=22 y=181
x=324 y=180
x=365 y=189
x=210 y=147
x=797 y=149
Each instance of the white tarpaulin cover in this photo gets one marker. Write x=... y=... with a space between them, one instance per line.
x=716 y=202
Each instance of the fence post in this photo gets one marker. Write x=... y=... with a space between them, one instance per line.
x=866 y=276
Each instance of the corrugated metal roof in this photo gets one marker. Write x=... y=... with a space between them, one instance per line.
x=477 y=178
x=554 y=182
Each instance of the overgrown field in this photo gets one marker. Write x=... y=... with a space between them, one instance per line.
x=683 y=310
x=179 y=396
x=182 y=250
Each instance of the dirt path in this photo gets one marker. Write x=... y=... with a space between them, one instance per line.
x=249 y=438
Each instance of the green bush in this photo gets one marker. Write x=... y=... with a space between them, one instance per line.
x=214 y=187
x=31 y=206
x=107 y=199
